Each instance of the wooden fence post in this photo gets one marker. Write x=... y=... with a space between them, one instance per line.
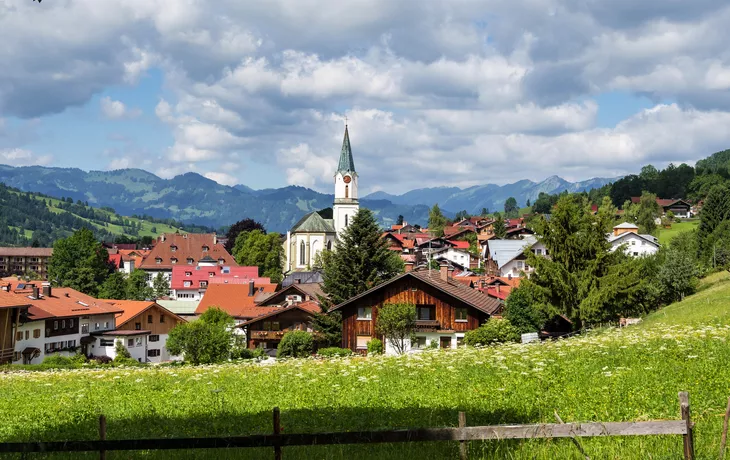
x=463 y=446
x=723 y=439
x=689 y=449
x=102 y=435
x=277 y=431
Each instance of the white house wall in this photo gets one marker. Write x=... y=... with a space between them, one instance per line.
x=635 y=246
x=430 y=336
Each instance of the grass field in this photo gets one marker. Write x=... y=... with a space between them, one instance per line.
x=609 y=375
x=666 y=234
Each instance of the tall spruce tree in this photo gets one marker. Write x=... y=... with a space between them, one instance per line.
x=499 y=227
x=715 y=210
x=436 y=221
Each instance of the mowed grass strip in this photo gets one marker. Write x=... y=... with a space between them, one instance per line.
x=611 y=375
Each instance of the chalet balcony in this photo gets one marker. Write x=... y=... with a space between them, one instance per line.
x=273 y=335
x=424 y=325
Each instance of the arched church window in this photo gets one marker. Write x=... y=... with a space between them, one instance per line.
x=347 y=191
x=329 y=245
x=302 y=255
x=345 y=220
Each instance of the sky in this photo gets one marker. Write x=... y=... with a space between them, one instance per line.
x=437 y=92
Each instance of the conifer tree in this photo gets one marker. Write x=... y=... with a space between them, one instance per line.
x=715 y=210
x=500 y=230
x=436 y=221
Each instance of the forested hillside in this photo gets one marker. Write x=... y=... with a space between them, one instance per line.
x=34 y=219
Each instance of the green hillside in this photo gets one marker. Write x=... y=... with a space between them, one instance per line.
x=629 y=374
x=35 y=219
x=665 y=235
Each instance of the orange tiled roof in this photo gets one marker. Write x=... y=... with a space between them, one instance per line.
x=63 y=303
x=188 y=245
x=234 y=299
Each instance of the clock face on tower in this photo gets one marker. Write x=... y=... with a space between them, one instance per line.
x=347 y=179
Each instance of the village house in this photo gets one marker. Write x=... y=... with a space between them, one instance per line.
x=58 y=321
x=238 y=300
x=267 y=330
x=311 y=277
x=190 y=283
x=126 y=260
x=457 y=253
x=445 y=309
x=627 y=236
x=143 y=327
x=19 y=261
x=188 y=249
x=12 y=308
x=506 y=257
x=678 y=207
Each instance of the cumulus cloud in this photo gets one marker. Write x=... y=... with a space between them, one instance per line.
x=117 y=110
x=436 y=93
x=22 y=157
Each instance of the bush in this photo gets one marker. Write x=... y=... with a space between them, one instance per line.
x=375 y=347
x=121 y=361
x=78 y=359
x=58 y=361
x=102 y=359
x=295 y=344
x=493 y=331
x=333 y=352
x=121 y=351
x=247 y=353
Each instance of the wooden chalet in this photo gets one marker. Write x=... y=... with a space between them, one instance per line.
x=267 y=330
x=12 y=307
x=446 y=309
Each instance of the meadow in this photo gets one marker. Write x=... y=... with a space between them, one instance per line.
x=610 y=375
x=665 y=235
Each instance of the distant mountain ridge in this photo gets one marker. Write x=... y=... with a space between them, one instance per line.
x=490 y=196
x=192 y=198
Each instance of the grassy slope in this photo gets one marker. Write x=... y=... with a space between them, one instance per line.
x=613 y=375
x=666 y=235
x=116 y=229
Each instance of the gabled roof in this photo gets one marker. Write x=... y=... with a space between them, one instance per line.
x=452 y=288
x=651 y=239
x=312 y=290
x=132 y=308
x=627 y=226
x=347 y=164
x=460 y=244
x=313 y=223
x=234 y=299
x=186 y=246
x=503 y=251
x=64 y=303
x=307 y=307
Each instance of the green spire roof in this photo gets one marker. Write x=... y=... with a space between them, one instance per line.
x=313 y=223
x=347 y=164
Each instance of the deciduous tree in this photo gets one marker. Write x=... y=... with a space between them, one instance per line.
x=137 y=286
x=205 y=341
x=244 y=225
x=396 y=322
x=79 y=262
x=262 y=250
x=114 y=287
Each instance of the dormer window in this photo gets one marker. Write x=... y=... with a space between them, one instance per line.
x=158 y=260
x=211 y=274
x=173 y=260
x=221 y=261
x=203 y=284
x=190 y=260
x=188 y=273
x=173 y=248
x=205 y=248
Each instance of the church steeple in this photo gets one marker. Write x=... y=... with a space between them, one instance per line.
x=347 y=164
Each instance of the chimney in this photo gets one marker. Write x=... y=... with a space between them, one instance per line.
x=409 y=266
x=444 y=271
x=47 y=289
x=251 y=288
x=215 y=239
x=451 y=271
x=35 y=292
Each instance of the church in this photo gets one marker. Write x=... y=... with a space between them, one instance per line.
x=313 y=233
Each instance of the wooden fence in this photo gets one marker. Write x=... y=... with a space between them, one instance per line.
x=462 y=433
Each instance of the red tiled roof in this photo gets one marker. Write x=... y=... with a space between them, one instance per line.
x=188 y=245
x=63 y=303
x=116 y=260
x=9 y=299
x=663 y=202
x=234 y=299
x=202 y=273
x=308 y=307
x=132 y=308
x=498 y=292
x=460 y=244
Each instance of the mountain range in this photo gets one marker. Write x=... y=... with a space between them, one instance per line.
x=195 y=199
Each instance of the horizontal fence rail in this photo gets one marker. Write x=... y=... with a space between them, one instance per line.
x=463 y=433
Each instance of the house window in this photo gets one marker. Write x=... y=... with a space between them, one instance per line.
x=211 y=274
x=425 y=312
x=85 y=328
x=636 y=254
x=138 y=342
x=173 y=248
x=190 y=260
x=106 y=324
x=63 y=324
x=188 y=273
x=27 y=335
x=221 y=261
x=520 y=265
x=153 y=353
x=154 y=338
x=162 y=319
x=96 y=326
x=71 y=322
x=187 y=284
x=149 y=319
x=19 y=336
x=130 y=342
x=173 y=260
x=205 y=248
x=55 y=325
x=365 y=313
x=362 y=341
x=158 y=260
x=302 y=259
x=106 y=342
x=203 y=284
x=419 y=342
x=461 y=315
x=138 y=326
x=345 y=220
x=633 y=243
x=459 y=342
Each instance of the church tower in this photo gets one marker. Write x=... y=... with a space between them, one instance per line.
x=346 y=203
